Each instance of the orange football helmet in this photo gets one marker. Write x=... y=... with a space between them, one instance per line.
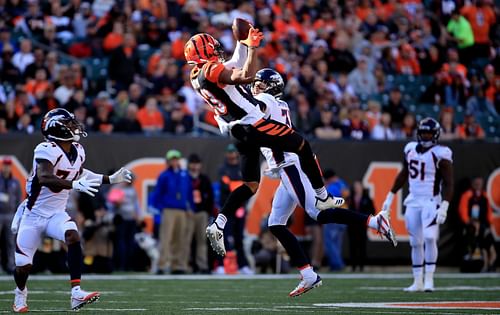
x=202 y=48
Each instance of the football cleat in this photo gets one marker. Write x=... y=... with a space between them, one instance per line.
x=417 y=286
x=429 y=282
x=246 y=271
x=329 y=202
x=305 y=287
x=80 y=298
x=20 y=297
x=216 y=238
x=384 y=227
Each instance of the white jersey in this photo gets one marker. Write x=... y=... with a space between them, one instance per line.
x=41 y=199
x=424 y=178
x=276 y=110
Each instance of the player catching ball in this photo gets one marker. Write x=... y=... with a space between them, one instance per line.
x=57 y=168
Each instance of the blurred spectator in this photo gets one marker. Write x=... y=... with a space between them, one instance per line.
x=303 y=120
x=124 y=63
x=23 y=57
x=395 y=107
x=150 y=117
x=476 y=213
x=359 y=201
x=470 y=129
x=64 y=92
x=38 y=85
x=10 y=198
x=180 y=121
x=342 y=60
x=129 y=123
x=5 y=39
x=124 y=203
x=355 y=127
x=103 y=120
x=455 y=92
x=203 y=198
x=383 y=130
x=479 y=103
x=9 y=72
x=408 y=128
x=114 y=39
x=230 y=179
x=38 y=63
x=327 y=128
x=448 y=127
x=373 y=114
x=173 y=196
x=333 y=234
x=388 y=62
x=406 y=62
x=135 y=95
x=461 y=31
x=98 y=234
x=341 y=88
x=363 y=81
x=481 y=17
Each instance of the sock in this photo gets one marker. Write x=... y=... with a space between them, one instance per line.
x=307 y=273
x=310 y=166
x=20 y=278
x=417 y=260
x=321 y=192
x=75 y=288
x=430 y=268
x=236 y=200
x=431 y=254
x=75 y=262
x=221 y=221
x=341 y=216
x=291 y=245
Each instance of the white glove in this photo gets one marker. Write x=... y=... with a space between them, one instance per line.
x=120 y=176
x=272 y=173
x=386 y=206
x=14 y=227
x=233 y=123
x=442 y=212
x=85 y=185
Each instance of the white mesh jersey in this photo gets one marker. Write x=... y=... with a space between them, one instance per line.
x=276 y=110
x=424 y=178
x=41 y=199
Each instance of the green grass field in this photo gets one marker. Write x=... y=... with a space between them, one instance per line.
x=144 y=294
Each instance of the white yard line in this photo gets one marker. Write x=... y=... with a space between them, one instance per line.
x=149 y=277
x=407 y=305
x=438 y=288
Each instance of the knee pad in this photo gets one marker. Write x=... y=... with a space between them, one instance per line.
x=22 y=260
x=416 y=241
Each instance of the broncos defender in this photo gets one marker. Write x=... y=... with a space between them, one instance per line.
x=222 y=85
x=428 y=170
x=295 y=188
x=57 y=168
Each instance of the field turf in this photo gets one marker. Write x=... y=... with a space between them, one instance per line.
x=145 y=294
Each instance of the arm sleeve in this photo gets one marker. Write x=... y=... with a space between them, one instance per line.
x=239 y=56
x=91 y=175
x=445 y=154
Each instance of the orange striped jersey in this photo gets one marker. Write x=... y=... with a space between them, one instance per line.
x=230 y=102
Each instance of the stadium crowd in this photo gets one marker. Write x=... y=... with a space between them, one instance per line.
x=354 y=69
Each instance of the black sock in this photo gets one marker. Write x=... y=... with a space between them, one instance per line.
x=20 y=277
x=341 y=216
x=291 y=245
x=310 y=165
x=75 y=261
x=236 y=200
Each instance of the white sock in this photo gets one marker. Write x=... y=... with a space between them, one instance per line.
x=221 y=221
x=308 y=273
x=321 y=192
x=75 y=288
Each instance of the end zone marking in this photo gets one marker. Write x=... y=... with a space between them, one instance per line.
x=476 y=305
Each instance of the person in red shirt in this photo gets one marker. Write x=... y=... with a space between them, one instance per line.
x=481 y=17
x=406 y=62
x=470 y=129
x=150 y=117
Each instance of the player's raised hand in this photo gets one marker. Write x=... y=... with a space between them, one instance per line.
x=120 y=176
x=88 y=186
x=254 y=38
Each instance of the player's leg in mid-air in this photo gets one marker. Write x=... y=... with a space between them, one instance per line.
x=413 y=221
x=61 y=227
x=250 y=172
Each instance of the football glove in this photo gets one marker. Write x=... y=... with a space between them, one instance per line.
x=386 y=206
x=254 y=38
x=120 y=176
x=442 y=212
x=84 y=185
x=14 y=226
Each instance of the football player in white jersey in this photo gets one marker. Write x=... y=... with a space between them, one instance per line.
x=429 y=172
x=222 y=86
x=57 y=168
x=296 y=189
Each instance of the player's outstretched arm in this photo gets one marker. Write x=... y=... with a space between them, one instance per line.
x=399 y=182
x=446 y=169
x=46 y=177
x=120 y=176
x=247 y=73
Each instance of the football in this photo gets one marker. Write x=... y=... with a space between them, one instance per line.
x=241 y=28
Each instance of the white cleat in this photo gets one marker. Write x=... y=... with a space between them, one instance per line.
x=20 y=301
x=246 y=271
x=329 y=202
x=429 y=283
x=216 y=238
x=80 y=298
x=384 y=227
x=417 y=286
x=305 y=286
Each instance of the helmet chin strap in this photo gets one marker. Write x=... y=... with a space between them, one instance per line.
x=77 y=135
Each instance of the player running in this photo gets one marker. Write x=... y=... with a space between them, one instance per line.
x=427 y=167
x=57 y=168
x=221 y=84
x=295 y=188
